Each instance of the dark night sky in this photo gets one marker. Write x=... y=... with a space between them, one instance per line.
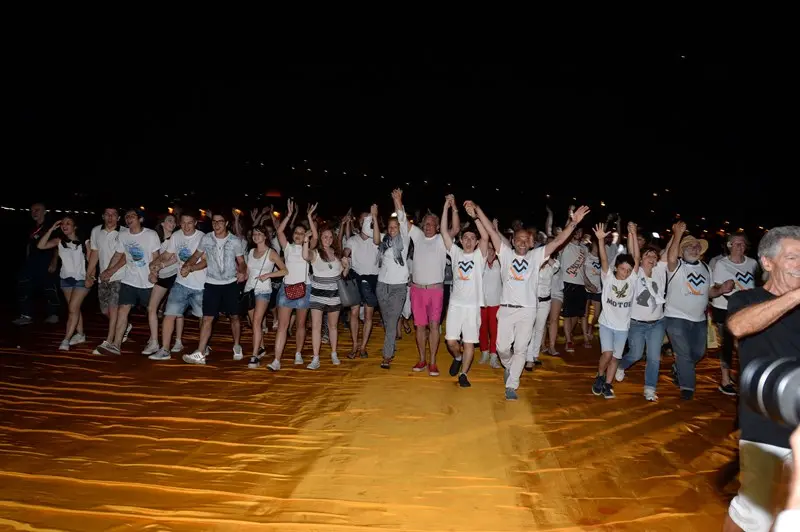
x=613 y=128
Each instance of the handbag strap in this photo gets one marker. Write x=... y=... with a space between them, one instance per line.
x=261 y=269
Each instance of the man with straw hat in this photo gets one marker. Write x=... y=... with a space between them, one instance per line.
x=689 y=287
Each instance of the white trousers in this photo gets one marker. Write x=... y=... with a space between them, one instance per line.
x=535 y=347
x=514 y=327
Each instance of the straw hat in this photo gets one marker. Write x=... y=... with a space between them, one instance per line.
x=689 y=240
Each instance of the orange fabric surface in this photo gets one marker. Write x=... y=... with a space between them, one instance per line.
x=98 y=443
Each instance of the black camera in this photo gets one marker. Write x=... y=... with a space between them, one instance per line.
x=771 y=387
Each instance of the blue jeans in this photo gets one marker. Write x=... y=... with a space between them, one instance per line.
x=651 y=335
x=180 y=298
x=688 y=340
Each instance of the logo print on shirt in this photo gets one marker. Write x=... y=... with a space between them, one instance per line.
x=464 y=269
x=694 y=281
x=743 y=280
x=518 y=269
x=620 y=292
x=137 y=254
x=184 y=254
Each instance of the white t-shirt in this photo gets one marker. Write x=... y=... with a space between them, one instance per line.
x=617 y=301
x=255 y=268
x=687 y=291
x=648 y=304
x=172 y=269
x=73 y=260
x=296 y=264
x=390 y=272
x=743 y=276
x=521 y=276
x=138 y=249
x=492 y=283
x=591 y=268
x=184 y=247
x=467 y=277
x=363 y=254
x=572 y=258
x=430 y=257
x=326 y=269
x=105 y=243
x=546 y=275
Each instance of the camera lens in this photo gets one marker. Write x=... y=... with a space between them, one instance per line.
x=771 y=387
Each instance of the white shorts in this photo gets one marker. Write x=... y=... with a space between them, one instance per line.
x=763 y=469
x=463 y=323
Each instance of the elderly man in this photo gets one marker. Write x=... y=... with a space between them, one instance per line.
x=766 y=321
x=689 y=287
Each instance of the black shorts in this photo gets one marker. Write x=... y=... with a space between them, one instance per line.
x=367 y=285
x=221 y=299
x=594 y=297
x=131 y=295
x=167 y=282
x=574 y=301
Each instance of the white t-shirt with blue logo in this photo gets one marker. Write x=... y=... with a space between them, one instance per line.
x=743 y=276
x=138 y=249
x=184 y=247
x=467 y=277
x=520 y=275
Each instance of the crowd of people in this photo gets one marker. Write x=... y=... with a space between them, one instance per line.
x=504 y=291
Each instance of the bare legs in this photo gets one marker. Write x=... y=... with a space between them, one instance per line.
x=74 y=299
x=256 y=317
x=354 y=322
x=156 y=295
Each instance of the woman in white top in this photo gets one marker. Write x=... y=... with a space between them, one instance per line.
x=163 y=274
x=73 y=276
x=295 y=282
x=392 y=272
x=329 y=266
x=619 y=285
x=492 y=290
x=592 y=285
x=263 y=265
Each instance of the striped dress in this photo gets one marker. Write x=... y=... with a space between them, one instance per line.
x=324 y=289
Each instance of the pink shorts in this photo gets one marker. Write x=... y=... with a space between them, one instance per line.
x=426 y=305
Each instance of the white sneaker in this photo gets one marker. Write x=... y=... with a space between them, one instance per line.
x=195 y=358
x=484 y=357
x=177 y=348
x=77 y=338
x=23 y=320
x=650 y=395
x=619 y=375
x=275 y=365
x=494 y=361
x=298 y=359
x=64 y=345
x=275 y=325
x=238 y=354
x=152 y=347
x=335 y=359
x=127 y=333
x=314 y=363
x=161 y=354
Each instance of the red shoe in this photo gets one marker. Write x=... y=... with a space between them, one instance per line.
x=433 y=371
x=570 y=348
x=420 y=366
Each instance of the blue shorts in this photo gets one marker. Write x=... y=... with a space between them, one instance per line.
x=613 y=340
x=182 y=297
x=264 y=297
x=299 y=304
x=69 y=283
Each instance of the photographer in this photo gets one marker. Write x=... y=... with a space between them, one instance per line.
x=767 y=322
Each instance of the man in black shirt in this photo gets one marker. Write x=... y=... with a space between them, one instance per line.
x=767 y=322
x=38 y=273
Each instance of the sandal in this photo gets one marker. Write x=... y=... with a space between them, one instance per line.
x=363 y=353
x=407 y=328
x=385 y=363
x=353 y=355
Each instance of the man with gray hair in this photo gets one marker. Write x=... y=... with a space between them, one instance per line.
x=766 y=321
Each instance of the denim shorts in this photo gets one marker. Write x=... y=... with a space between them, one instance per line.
x=182 y=297
x=299 y=304
x=612 y=340
x=69 y=283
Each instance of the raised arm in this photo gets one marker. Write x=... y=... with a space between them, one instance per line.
x=575 y=218
x=313 y=226
x=290 y=212
x=663 y=255
x=49 y=243
x=672 y=253
x=443 y=229
x=601 y=233
x=405 y=226
x=483 y=244
x=756 y=318
x=455 y=226
x=633 y=245
x=308 y=253
x=376 y=230
x=477 y=213
x=548 y=222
